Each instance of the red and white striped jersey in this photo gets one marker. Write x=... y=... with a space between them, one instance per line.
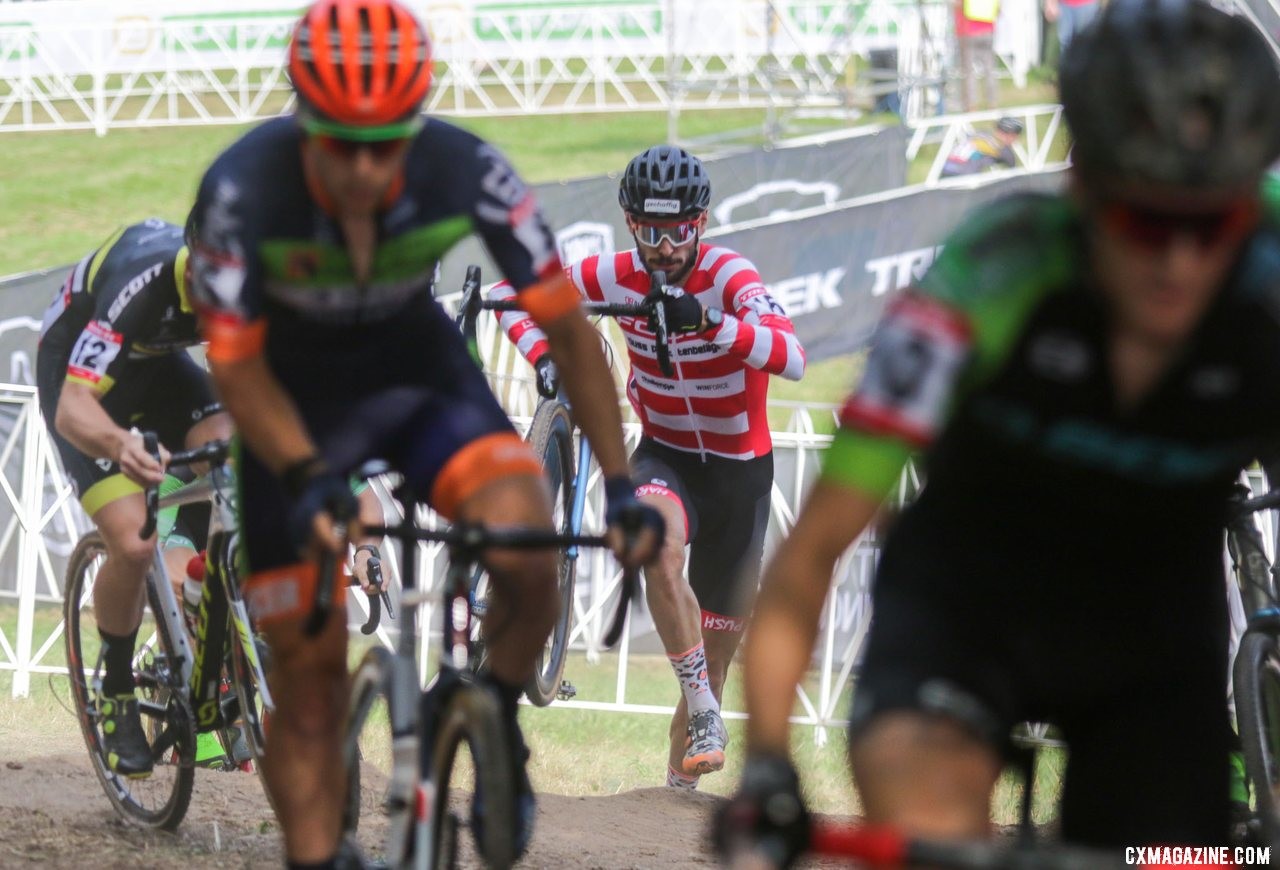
x=715 y=403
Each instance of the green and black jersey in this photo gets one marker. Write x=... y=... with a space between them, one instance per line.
x=125 y=301
x=996 y=366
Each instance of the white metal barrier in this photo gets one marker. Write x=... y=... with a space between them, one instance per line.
x=1042 y=125
x=73 y=64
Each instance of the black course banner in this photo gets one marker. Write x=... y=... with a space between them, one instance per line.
x=23 y=299
x=745 y=185
x=834 y=271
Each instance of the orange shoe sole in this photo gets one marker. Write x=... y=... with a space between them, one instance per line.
x=706 y=762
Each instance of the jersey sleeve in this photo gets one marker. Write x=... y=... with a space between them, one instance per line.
x=905 y=398
x=519 y=325
x=226 y=273
x=510 y=223
x=756 y=328
x=943 y=337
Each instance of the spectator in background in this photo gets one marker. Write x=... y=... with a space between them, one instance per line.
x=975 y=32
x=1070 y=16
x=981 y=151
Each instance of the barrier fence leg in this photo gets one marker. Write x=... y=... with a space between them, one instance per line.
x=29 y=518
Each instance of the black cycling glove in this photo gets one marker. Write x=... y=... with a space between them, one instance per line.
x=767 y=816
x=624 y=510
x=316 y=490
x=546 y=377
x=684 y=312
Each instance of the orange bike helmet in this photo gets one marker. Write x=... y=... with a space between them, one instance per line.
x=360 y=68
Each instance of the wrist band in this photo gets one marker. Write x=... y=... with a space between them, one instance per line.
x=297 y=474
x=373 y=551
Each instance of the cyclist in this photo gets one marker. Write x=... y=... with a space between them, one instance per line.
x=112 y=361
x=705 y=459
x=316 y=237
x=1088 y=372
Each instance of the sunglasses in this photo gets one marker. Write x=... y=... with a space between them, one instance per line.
x=1153 y=229
x=679 y=235
x=379 y=149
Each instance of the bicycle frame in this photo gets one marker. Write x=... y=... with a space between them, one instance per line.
x=221 y=605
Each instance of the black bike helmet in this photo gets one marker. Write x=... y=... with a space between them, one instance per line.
x=1174 y=92
x=1010 y=125
x=664 y=183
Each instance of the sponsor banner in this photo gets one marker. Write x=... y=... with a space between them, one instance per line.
x=134 y=36
x=835 y=271
x=745 y=185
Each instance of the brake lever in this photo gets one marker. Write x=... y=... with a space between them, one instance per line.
x=376 y=598
x=151 y=444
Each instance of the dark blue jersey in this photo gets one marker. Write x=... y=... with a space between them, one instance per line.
x=272 y=273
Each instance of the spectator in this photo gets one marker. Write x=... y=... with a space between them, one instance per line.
x=975 y=31
x=981 y=151
x=1071 y=16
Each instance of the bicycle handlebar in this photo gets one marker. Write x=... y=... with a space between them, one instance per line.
x=470 y=539
x=1260 y=503
x=214 y=452
x=472 y=303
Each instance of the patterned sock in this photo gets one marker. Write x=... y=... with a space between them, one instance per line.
x=676 y=779
x=691 y=671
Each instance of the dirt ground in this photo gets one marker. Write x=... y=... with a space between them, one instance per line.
x=56 y=815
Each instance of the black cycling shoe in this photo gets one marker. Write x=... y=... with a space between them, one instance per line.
x=123 y=741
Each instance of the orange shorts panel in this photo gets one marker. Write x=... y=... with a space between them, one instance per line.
x=479 y=463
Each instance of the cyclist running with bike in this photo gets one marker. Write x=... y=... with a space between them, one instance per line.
x=705 y=460
x=316 y=238
x=112 y=361
x=1087 y=372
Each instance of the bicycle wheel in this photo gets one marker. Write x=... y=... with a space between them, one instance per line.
x=551 y=437
x=471 y=721
x=380 y=750
x=160 y=800
x=1256 y=674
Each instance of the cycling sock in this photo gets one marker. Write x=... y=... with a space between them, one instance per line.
x=676 y=779
x=117 y=657
x=691 y=671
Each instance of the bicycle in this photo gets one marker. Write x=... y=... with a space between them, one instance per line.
x=551 y=435
x=428 y=728
x=1256 y=668
x=180 y=681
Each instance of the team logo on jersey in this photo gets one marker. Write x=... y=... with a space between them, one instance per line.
x=301 y=265
x=1214 y=382
x=104 y=464
x=1059 y=357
